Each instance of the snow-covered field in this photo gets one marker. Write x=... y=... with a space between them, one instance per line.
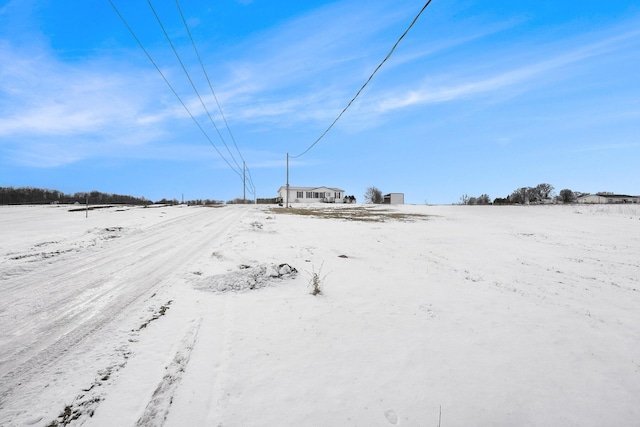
x=194 y=316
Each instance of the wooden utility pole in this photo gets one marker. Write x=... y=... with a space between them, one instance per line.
x=287 y=196
x=244 y=182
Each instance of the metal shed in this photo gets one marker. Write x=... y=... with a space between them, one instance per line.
x=393 y=199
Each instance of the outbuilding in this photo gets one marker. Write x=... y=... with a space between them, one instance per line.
x=604 y=198
x=591 y=199
x=393 y=199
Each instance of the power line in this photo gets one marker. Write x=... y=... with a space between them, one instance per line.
x=365 y=83
x=204 y=71
x=184 y=69
x=171 y=87
x=251 y=180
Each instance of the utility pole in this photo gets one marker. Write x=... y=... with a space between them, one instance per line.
x=287 y=196
x=244 y=182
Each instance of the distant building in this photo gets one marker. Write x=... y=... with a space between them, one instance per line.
x=311 y=194
x=393 y=199
x=591 y=199
x=607 y=199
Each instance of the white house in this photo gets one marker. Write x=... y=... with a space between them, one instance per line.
x=311 y=194
x=608 y=198
x=592 y=199
x=393 y=199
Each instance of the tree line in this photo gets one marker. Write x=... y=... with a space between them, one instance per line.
x=31 y=195
x=39 y=196
x=542 y=193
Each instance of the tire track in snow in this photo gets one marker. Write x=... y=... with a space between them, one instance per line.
x=158 y=407
x=60 y=306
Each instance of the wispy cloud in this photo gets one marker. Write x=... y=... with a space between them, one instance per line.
x=519 y=79
x=300 y=72
x=54 y=113
x=42 y=154
x=7 y=6
x=303 y=70
x=430 y=47
x=609 y=147
x=308 y=68
x=317 y=52
x=45 y=97
x=318 y=75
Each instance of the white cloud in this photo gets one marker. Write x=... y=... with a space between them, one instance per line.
x=518 y=79
x=42 y=96
x=609 y=147
x=312 y=52
x=301 y=72
x=54 y=113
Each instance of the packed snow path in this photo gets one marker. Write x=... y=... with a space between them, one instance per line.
x=61 y=303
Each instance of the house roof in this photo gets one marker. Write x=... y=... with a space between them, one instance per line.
x=291 y=187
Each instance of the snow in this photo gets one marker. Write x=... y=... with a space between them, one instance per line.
x=176 y=315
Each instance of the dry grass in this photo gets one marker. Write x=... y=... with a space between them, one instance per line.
x=316 y=281
x=351 y=213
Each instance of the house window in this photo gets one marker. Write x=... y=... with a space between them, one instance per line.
x=309 y=195
x=300 y=194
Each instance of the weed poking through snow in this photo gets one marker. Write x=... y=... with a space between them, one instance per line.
x=316 y=281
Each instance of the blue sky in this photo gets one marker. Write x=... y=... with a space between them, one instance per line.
x=479 y=97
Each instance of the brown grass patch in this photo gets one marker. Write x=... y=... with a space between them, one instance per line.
x=355 y=213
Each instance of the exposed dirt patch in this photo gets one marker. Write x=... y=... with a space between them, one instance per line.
x=85 y=404
x=156 y=315
x=91 y=208
x=40 y=255
x=359 y=213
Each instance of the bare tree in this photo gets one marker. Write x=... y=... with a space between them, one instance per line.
x=484 y=199
x=544 y=191
x=373 y=195
x=521 y=195
x=567 y=196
